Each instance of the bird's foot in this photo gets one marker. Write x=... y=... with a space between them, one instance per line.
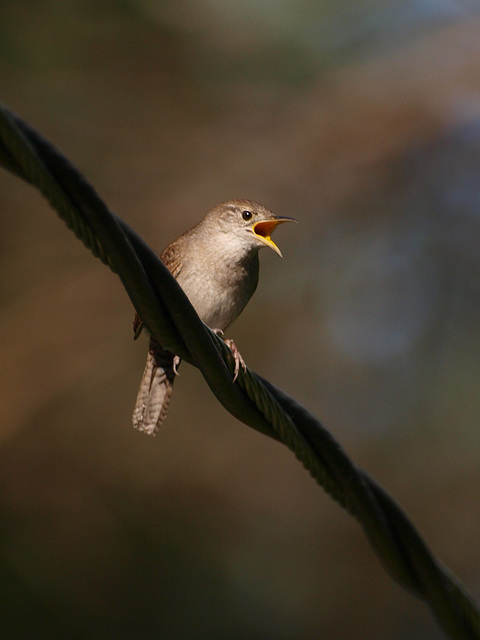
x=176 y=362
x=237 y=356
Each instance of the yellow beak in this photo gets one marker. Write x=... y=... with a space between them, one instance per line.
x=263 y=230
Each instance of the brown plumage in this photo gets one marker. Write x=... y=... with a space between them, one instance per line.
x=216 y=264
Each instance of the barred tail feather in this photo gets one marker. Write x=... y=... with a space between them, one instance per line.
x=155 y=389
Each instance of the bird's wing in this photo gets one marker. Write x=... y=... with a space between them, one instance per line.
x=171 y=258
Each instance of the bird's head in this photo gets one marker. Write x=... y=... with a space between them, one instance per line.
x=246 y=224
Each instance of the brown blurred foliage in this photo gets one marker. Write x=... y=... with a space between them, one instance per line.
x=363 y=121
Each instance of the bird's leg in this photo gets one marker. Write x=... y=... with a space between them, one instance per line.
x=237 y=356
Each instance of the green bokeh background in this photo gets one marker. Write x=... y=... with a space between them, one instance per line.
x=362 y=120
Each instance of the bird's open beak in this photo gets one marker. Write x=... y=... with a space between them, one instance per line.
x=263 y=230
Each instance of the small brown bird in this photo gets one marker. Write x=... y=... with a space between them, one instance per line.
x=216 y=264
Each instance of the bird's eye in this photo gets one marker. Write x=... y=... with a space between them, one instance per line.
x=247 y=215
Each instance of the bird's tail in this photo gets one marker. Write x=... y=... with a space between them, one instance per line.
x=155 y=389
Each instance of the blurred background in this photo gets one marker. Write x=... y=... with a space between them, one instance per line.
x=362 y=120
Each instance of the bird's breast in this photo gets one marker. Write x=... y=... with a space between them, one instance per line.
x=219 y=292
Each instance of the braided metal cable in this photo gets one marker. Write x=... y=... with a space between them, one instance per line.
x=170 y=317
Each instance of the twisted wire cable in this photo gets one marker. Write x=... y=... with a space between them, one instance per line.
x=171 y=319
